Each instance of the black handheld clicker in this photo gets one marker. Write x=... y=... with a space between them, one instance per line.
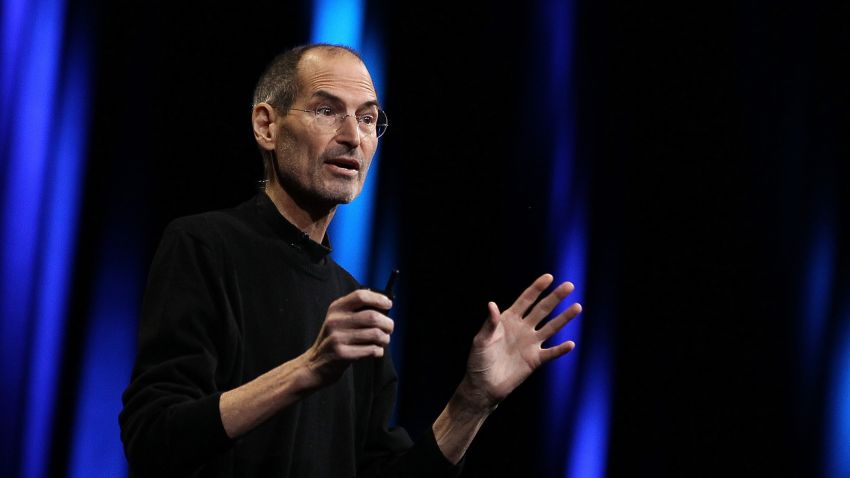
x=388 y=290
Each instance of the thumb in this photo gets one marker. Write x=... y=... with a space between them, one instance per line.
x=494 y=316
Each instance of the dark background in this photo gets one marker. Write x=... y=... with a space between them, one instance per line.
x=709 y=135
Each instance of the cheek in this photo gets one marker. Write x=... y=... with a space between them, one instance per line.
x=366 y=168
x=304 y=160
x=369 y=155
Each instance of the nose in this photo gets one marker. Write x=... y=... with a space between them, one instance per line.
x=349 y=131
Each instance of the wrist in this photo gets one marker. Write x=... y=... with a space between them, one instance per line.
x=472 y=400
x=460 y=421
x=308 y=376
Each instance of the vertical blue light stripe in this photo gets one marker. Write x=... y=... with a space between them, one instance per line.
x=341 y=22
x=352 y=227
x=837 y=450
x=385 y=242
x=11 y=23
x=42 y=141
x=337 y=21
x=107 y=361
x=817 y=295
x=43 y=133
x=587 y=457
x=373 y=54
x=12 y=322
x=28 y=131
x=816 y=301
x=62 y=194
x=577 y=389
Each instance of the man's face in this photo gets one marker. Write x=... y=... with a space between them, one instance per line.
x=322 y=164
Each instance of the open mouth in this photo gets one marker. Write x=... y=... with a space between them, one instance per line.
x=347 y=165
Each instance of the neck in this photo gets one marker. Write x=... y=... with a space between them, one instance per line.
x=312 y=221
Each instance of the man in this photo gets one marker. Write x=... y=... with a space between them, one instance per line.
x=259 y=355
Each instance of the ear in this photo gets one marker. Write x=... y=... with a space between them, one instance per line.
x=263 y=118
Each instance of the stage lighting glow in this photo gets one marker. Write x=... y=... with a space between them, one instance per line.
x=837 y=450
x=577 y=388
x=45 y=105
x=816 y=297
x=342 y=22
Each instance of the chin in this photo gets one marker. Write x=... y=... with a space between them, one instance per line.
x=345 y=198
x=341 y=196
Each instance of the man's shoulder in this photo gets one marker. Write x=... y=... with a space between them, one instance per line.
x=213 y=226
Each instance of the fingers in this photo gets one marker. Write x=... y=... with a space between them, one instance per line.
x=354 y=335
x=356 y=352
x=556 y=351
x=553 y=326
x=360 y=299
x=530 y=294
x=368 y=337
x=548 y=304
x=365 y=319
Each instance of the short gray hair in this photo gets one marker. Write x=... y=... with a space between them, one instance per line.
x=278 y=85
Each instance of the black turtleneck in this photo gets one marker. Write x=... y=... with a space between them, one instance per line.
x=232 y=294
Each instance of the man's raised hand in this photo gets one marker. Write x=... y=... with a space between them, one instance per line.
x=508 y=348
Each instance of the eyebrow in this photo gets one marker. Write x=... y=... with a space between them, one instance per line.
x=331 y=97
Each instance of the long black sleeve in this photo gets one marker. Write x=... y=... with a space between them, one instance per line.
x=171 y=417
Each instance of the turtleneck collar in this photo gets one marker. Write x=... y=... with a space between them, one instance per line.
x=296 y=238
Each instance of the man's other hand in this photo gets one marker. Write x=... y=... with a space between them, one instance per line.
x=354 y=328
